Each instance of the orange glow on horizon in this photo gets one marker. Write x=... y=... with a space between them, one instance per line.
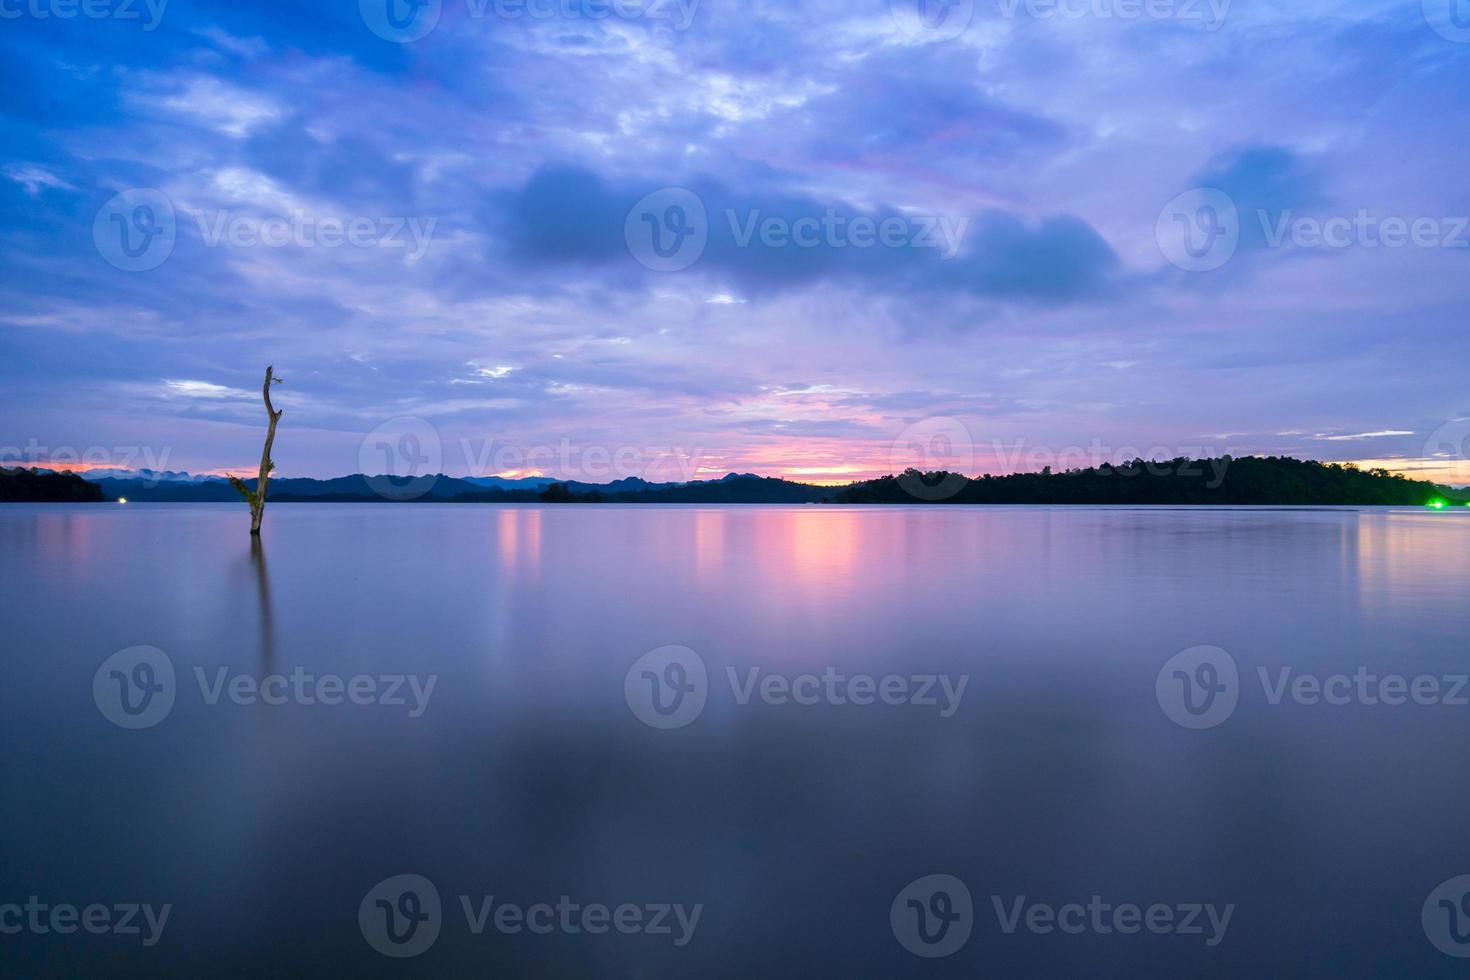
x=1447 y=472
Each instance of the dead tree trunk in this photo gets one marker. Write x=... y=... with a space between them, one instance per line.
x=256 y=498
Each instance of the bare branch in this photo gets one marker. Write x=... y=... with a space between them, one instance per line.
x=244 y=491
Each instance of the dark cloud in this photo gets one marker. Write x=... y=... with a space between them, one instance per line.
x=768 y=241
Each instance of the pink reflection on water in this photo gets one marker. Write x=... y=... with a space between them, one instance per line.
x=518 y=536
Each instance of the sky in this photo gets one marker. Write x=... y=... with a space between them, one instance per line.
x=679 y=238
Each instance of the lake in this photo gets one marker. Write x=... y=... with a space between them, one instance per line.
x=524 y=741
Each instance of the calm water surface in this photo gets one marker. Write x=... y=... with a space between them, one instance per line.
x=530 y=773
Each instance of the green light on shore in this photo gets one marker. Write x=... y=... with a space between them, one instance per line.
x=1437 y=504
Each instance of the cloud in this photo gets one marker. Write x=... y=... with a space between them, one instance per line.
x=217 y=104
x=1264 y=180
x=1356 y=436
x=34 y=178
x=202 y=389
x=762 y=240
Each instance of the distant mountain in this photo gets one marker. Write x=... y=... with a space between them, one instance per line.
x=1275 y=481
x=147 y=475
x=355 y=487
x=501 y=483
x=36 y=486
x=732 y=489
